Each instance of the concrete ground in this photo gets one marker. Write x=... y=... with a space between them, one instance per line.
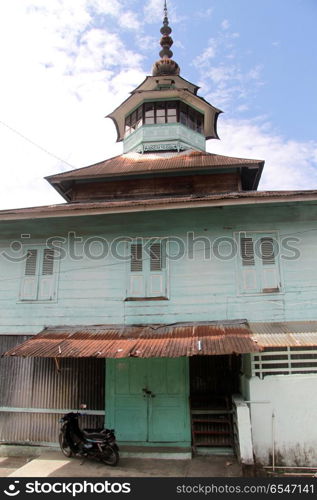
x=54 y=464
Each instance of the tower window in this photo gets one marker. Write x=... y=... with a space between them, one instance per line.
x=161 y=112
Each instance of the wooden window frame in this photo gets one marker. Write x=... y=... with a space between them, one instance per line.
x=147 y=272
x=256 y=265
x=198 y=117
x=44 y=275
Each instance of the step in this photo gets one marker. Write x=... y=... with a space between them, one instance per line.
x=211 y=412
x=215 y=433
x=211 y=421
x=208 y=445
x=162 y=452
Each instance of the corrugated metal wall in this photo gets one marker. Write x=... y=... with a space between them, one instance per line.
x=35 y=384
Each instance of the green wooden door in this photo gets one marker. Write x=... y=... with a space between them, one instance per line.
x=147 y=399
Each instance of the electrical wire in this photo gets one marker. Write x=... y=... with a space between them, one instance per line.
x=119 y=263
x=36 y=145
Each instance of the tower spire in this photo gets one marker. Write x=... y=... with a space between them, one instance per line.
x=166 y=66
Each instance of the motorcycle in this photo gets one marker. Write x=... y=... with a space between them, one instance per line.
x=95 y=443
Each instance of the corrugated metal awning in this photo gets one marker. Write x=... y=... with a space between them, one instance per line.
x=285 y=334
x=140 y=341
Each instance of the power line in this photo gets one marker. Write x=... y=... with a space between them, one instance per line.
x=36 y=145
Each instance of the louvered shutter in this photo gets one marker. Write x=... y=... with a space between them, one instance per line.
x=270 y=281
x=248 y=272
x=47 y=276
x=136 y=286
x=156 y=281
x=28 y=290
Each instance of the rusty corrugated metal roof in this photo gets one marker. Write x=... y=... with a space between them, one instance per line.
x=134 y=163
x=144 y=341
x=285 y=334
x=66 y=209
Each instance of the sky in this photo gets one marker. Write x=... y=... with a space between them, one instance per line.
x=66 y=64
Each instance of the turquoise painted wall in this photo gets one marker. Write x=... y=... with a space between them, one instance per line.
x=93 y=291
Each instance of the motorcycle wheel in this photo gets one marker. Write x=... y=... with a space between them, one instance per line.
x=110 y=456
x=66 y=450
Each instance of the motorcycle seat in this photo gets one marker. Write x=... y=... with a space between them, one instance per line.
x=93 y=436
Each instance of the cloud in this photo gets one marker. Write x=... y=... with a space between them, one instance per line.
x=223 y=78
x=225 y=24
x=289 y=164
x=208 y=53
x=59 y=78
x=73 y=63
x=205 y=13
x=129 y=20
x=153 y=11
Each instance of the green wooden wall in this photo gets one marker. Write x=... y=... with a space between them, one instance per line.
x=92 y=291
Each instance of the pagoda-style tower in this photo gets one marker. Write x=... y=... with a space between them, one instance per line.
x=165 y=113
x=164 y=126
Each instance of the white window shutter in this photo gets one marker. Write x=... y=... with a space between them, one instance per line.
x=136 y=286
x=28 y=290
x=156 y=280
x=270 y=281
x=47 y=276
x=147 y=272
x=248 y=272
x=136 y=263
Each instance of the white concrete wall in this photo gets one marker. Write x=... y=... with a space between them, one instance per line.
x=292 y=400
x=242 y=430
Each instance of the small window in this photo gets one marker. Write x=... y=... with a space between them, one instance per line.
x=183 y=114
x=149 y=113
x=139 y=117
x=147 y=273
x=171 y=112
x=127 y=129
x=162 y=112
x=39 y=272
x=199 y=125
x=191 y=119
x=258 y=263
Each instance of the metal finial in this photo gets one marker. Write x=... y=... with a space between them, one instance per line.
x=166 y=40
x=166 y=65
x=165 y=8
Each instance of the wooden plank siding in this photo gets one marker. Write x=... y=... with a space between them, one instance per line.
x=157 y=186
x=94 y=291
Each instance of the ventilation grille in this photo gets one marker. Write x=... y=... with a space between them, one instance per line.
x=284 y=361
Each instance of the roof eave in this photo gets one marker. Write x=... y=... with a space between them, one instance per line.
x=58 y=186
x=232 y=199
x=185 y=170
